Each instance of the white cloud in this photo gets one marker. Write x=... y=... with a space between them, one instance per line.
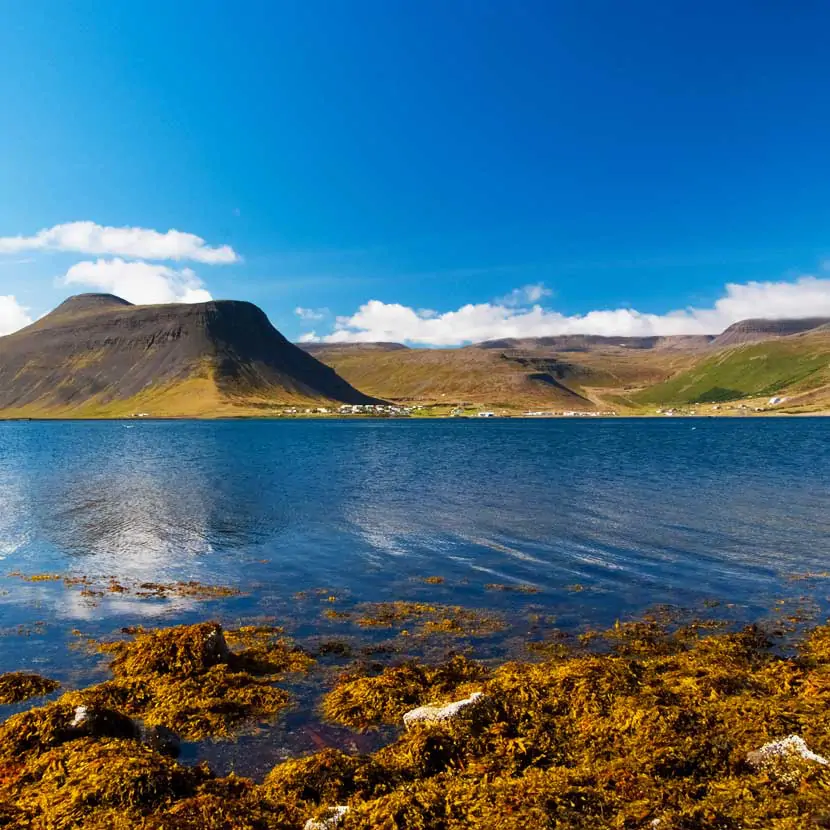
x=139 y=282
x=311 y=313
x=526 y=294
x=12 y=315
x=138 y=243
x=377 y=321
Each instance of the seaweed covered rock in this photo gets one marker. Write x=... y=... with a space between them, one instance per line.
x=230 y=803
x=328 y=777
x=263 y=650
x=361 y=701
x=17 y=686
x=46 y=727
x=557 y=798
x=188 y=680
x=69 y=785
x=648 y=728
x=183 y=651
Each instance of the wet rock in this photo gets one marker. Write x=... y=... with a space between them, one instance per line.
x=431 y=714
x=98 y=722
x=163 y=740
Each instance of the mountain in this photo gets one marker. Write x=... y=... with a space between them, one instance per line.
x=751 y=331
x=99 y=355
x=596 y=342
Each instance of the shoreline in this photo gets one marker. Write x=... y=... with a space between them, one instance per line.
x=630 y=416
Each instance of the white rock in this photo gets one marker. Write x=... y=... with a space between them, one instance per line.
x=789 y=747
x=81 y=714
x=328 y=822
x=774 y=756
x=429 y=714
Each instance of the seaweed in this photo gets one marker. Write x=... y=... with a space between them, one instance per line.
x=328 y=777
x=656 y=727
x=515 y=589
x=646 y=725
x=18 y=686
x=230 y=803
x=69 y=782
x=429 y=619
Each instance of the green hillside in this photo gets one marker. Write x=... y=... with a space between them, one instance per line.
x=793 y=365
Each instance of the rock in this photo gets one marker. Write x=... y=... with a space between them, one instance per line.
x=99 y=722
x=431 y=714
x=778 y=757
x=329 y=821
x=163 y=740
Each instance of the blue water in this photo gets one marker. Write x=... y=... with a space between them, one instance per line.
x=638 y=512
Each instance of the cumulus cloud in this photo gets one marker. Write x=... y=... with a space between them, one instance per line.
x=377 y=321
x=137 y=243
x=139 y=282
x=310 y=314
x=12 y=315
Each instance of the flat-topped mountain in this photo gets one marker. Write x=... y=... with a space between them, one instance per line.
x=597 y=342
x=751 y=331
x=97 y=354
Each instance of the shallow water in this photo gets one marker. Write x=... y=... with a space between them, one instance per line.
x=633 y=512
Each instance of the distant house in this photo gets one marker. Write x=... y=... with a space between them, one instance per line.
x=486 y=414
x=775 y=400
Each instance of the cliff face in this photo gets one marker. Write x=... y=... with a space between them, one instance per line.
x=97 y=349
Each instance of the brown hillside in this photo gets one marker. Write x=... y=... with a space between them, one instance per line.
x=533 y=378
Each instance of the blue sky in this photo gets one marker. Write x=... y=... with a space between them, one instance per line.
x=436 y=172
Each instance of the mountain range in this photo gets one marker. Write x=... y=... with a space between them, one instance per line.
x=97 y=355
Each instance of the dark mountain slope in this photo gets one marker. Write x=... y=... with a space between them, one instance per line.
x=97 y=353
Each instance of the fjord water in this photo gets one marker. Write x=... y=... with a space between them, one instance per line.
x=636 y=511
